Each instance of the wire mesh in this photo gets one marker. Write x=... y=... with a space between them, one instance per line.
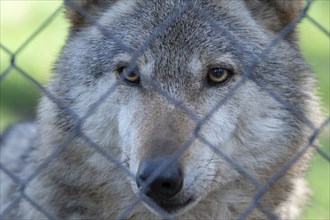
x=78 y=121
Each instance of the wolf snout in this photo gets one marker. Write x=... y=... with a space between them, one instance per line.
x=166 y=185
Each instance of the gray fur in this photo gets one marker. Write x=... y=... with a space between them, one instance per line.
x=131 y=123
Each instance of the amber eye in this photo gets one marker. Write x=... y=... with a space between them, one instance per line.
x=132 y=77
x=219 y=75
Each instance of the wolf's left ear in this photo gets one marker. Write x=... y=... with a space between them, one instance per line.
x=79 y=12
x=274 y=15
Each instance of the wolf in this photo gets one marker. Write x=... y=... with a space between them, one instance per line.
x=170 y=109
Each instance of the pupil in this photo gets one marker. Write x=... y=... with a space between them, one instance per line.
x=218 y=72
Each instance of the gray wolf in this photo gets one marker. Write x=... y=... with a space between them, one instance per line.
x=135 y=81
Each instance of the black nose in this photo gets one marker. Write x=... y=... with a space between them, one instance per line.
x=167 y=184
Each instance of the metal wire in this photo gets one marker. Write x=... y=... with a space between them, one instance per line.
x=78 y=122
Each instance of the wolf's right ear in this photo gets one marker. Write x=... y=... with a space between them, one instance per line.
x=80 y=12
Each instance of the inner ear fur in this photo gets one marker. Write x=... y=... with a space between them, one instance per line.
x=274 y=15
x=76 y=10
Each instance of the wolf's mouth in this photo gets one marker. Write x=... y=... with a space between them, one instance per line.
x=173 y=206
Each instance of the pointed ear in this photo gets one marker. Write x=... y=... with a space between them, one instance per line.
x=274 y=15
x=80 y=12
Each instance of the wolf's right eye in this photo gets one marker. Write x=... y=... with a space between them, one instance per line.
x=130 y=77
x=218 y=76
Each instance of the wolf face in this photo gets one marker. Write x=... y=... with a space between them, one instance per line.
x=179 y=93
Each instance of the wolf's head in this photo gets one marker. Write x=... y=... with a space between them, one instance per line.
x=184 y=92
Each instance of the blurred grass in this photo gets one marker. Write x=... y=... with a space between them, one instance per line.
x=18 y=96
x=316 y=49
x=19 y=20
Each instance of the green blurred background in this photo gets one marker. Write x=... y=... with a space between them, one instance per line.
x=19 y=96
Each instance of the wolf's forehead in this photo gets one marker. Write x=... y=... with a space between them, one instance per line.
x=150 y=65
x=140 y=20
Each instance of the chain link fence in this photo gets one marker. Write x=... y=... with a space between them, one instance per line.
x=76 y=132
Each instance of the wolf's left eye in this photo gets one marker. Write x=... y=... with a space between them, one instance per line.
x=219 y=76
x=131 y=78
